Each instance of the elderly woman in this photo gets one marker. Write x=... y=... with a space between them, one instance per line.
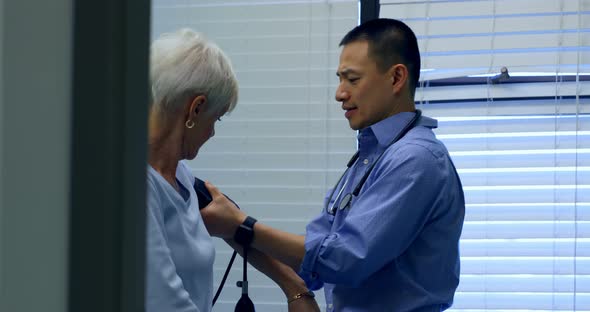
x=193 y=85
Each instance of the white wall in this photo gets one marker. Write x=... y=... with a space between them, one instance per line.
x=287 y=141
x=34 y=153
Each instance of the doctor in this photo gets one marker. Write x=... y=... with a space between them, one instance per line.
x=387 y=238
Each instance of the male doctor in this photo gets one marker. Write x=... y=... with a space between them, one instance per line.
x=388 y=236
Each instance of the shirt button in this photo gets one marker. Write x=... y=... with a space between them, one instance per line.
x=366 y=161
x=330 y=306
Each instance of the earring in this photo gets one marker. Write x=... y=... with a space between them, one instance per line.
x=189 y=124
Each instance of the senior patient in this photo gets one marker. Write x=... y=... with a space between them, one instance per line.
x=193 y=85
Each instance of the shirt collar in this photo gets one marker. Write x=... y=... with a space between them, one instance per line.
x=386 y=129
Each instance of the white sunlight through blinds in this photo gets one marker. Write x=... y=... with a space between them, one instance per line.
x=287 y=141
x=459 y=37
x=522 y=149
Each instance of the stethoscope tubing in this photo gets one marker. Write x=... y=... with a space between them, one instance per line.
x=330 y=208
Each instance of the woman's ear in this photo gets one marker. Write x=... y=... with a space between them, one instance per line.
x=197 y=105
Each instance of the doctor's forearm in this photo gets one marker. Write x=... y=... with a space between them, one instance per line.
x=285 y=277
x=285 y=247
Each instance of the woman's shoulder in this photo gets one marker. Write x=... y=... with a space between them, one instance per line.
x=153 y=178
x=184 y=173
x=183 y=168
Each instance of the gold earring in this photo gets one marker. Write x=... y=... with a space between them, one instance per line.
x=189 y=124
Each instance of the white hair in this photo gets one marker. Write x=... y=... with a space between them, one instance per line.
x=185 y=64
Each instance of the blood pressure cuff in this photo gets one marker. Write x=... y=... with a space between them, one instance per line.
x=203 y=194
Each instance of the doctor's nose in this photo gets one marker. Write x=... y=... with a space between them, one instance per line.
x=341 y=95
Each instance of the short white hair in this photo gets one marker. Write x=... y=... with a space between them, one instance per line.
x=185 y=64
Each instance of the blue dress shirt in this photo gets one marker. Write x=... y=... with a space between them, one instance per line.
x=180 y=251
x=396 y=247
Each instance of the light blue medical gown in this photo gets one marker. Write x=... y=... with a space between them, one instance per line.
x=180 y=251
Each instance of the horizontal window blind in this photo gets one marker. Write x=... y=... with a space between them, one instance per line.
x=522 y=149
x=460 y=37
x=526 y=177
x=287 y=140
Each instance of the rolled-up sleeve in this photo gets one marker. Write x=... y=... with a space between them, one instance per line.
x=392 y=208
x=315 y=234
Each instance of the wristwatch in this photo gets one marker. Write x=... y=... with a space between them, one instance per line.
x=245 y=232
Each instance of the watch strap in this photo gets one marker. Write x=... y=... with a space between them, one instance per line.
x=245 y=232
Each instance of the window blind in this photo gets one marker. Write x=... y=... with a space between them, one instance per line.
x=287 y=140
x=459 y=37
x=522 y=149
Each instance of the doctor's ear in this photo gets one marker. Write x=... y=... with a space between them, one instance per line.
x=398 y=76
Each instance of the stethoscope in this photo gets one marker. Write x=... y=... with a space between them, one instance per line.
x=347 y=199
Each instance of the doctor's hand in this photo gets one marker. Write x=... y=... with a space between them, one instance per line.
x=221 y=216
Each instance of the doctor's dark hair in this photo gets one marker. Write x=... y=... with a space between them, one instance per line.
x=390 y=42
